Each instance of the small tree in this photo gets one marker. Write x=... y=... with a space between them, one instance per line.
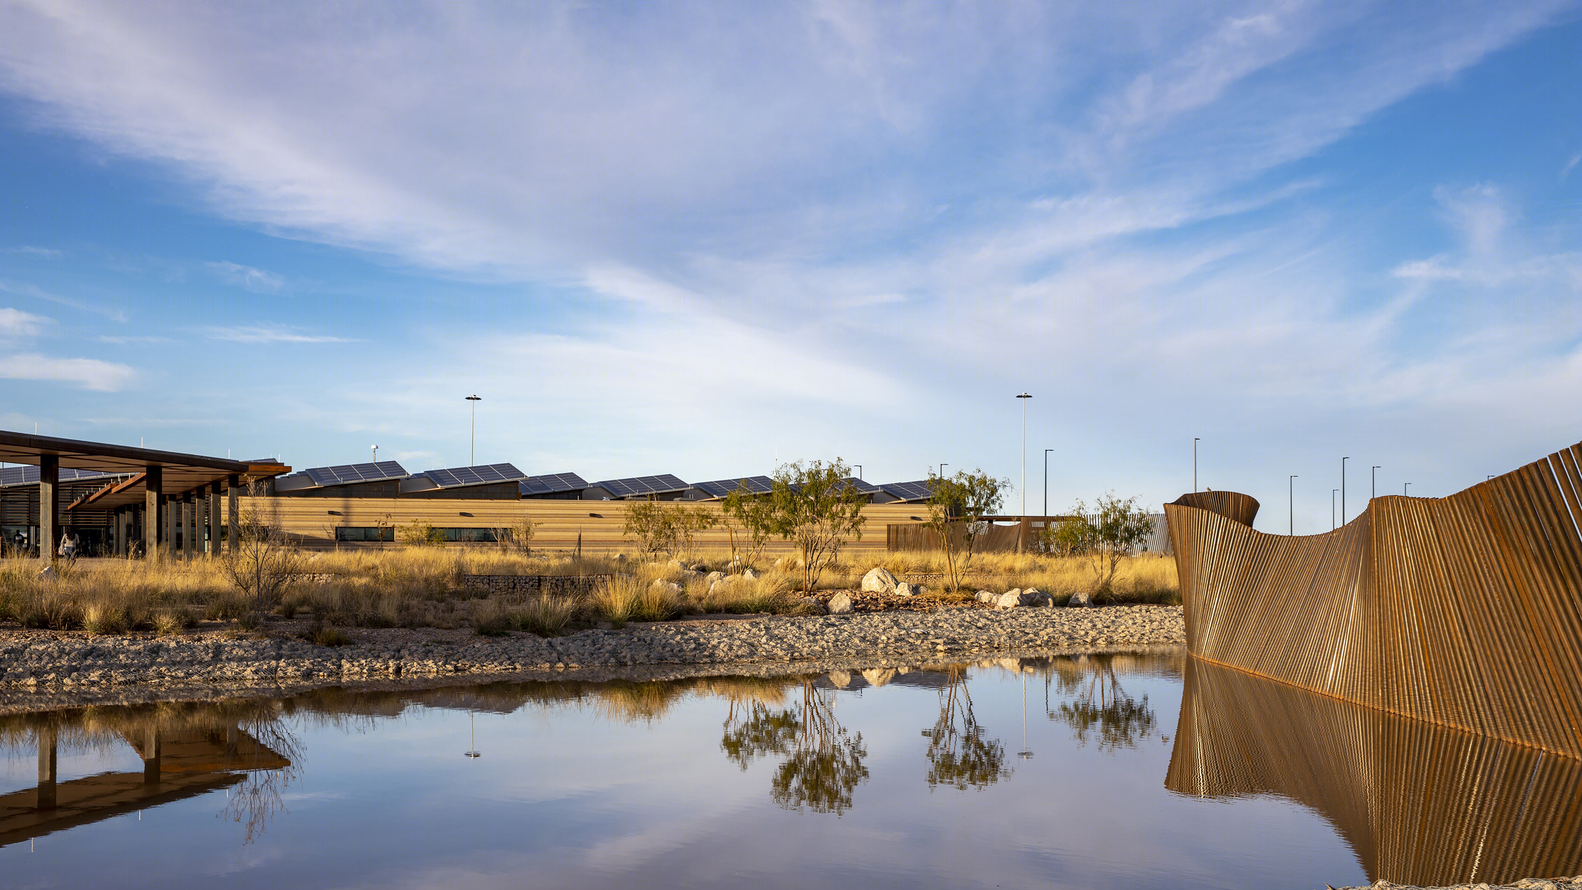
x=418 y=533
x=1110 y=532
x=959 y=503
x=688 y=523
x=654 y=527
x=259 y=560
x=517 y=537
x=749 y=520
x=816 y=507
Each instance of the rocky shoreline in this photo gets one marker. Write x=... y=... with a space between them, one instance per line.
x=77 y=667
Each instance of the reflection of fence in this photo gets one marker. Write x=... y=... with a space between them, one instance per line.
x=1419 y=804
x=1462 y=610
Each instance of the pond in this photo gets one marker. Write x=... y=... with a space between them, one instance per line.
x=1095 y=771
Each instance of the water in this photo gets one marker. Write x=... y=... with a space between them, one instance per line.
x=928 y=780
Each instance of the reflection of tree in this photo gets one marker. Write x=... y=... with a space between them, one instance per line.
x=958 y=754
x=257 y=798
x=823 y=764
x=1098 y=707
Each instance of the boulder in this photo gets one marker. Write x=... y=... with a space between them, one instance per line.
x=49 y=574
x=672 y=586
x=840 y=604
x=903 y=589
x=676 y=564
x=749 y=575
x=878 y=580
x=700 y=568
x=714 y=577
x=1008 y=600
x=839 y=679
x=812 y=601
x=1032 y=596
x=619 y=557
x=987 y=596
x=1080 y=599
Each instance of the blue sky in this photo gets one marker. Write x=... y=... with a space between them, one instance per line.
x=703 y=238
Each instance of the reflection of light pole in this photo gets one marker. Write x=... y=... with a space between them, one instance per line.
x=1046 y=484
x=473 y=751
x=1025 y=754
x=1290 y=485
x=1332 y=493
x=1194 y=464
x=471 y=461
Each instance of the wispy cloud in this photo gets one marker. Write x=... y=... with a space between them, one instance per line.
x=16 y=323
x=34 y=292
x=45 y=252
x=87 y=373
x=259 y=334
x=247 y=277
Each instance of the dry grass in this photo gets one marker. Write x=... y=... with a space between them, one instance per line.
x=425 y=587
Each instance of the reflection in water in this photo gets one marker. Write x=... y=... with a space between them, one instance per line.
x=186 y=751
x=823 y=764
x=1418 y=803
x=1097 y=706
x=958 y=754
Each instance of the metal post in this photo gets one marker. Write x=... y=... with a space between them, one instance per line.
x=1194 y=464
x=1019 y=534
x=471 y=458
x=1332 y=493
x=1046 y=484
x=859 y=470
x=1373 y=491
x=1403 y=487
x=1290 y=485
x=1343 y=490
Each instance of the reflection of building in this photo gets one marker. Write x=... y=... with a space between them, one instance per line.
x=176 y=765
x=1420 y=804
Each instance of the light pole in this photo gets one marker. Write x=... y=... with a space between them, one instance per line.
x=376 y=452
x=859 y=470
x=1332 y=493
x=1403 y=488
x=942 y=470
x=1374 y=491
x=1343 y=490
x=1023 y=399
x=1194 y=464
x=474 y=443
x=1290 y=485
x=1046 y=484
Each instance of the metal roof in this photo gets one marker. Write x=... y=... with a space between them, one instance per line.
x=642 y=486
x=552 y=483
x=26 y=475
x=462 y=477
x=722 y=488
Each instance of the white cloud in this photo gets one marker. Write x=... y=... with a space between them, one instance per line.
x=34 y=292
x=247 y=277
x=14 y=323
x=262 y=334
x=86 y=373
x=45 y=252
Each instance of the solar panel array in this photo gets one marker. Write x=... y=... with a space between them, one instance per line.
x=349 y=474
x=27 y=475
x=554 y=483
x=456 y=477
x=723 y=487
x=867 y=488
x=642 y=486
x=909 y=491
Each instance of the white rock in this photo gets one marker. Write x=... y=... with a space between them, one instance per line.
x=619 y=557
x=700 y=568
x=670 y=585
x=750 y=575
x=49 y=574
x=987 y=596
x=1008 y=600
x=1032 y=596
x=840 y=604
x=878 y=580
x=878 y=676
x=714 y=577
x=903 y=589
x=1080 y=599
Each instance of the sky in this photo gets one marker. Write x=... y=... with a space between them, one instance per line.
x=711 y=238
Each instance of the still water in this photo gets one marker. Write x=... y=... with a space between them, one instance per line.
x=1106 y=771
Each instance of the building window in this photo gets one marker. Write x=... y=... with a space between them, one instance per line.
x=353 y=533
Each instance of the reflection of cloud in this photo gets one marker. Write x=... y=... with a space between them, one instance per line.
x=259 y=334
x=88 y=373
x=247 y=277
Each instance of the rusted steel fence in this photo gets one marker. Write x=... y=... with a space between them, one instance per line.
x=1464 y=610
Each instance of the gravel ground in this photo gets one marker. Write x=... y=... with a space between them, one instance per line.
x=42 y=661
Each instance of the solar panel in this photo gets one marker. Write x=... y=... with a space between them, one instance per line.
x=28 y=475
x=456 y=477
x=854 y=482
x=721 y=488
x=642 y=486
x=553 y=483
x=909 y=491
x=349 y=474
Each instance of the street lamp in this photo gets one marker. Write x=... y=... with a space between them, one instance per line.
x=859 y=470
x=1332 y=493
x=376 y=452
x=1374 y=491
x=1403 y=488
x=1290 y=485
x=471 y=447
x=1023 y=399
x=1194 y=464
x=1343 y=490
x=1046 y=484
x=942 y=470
